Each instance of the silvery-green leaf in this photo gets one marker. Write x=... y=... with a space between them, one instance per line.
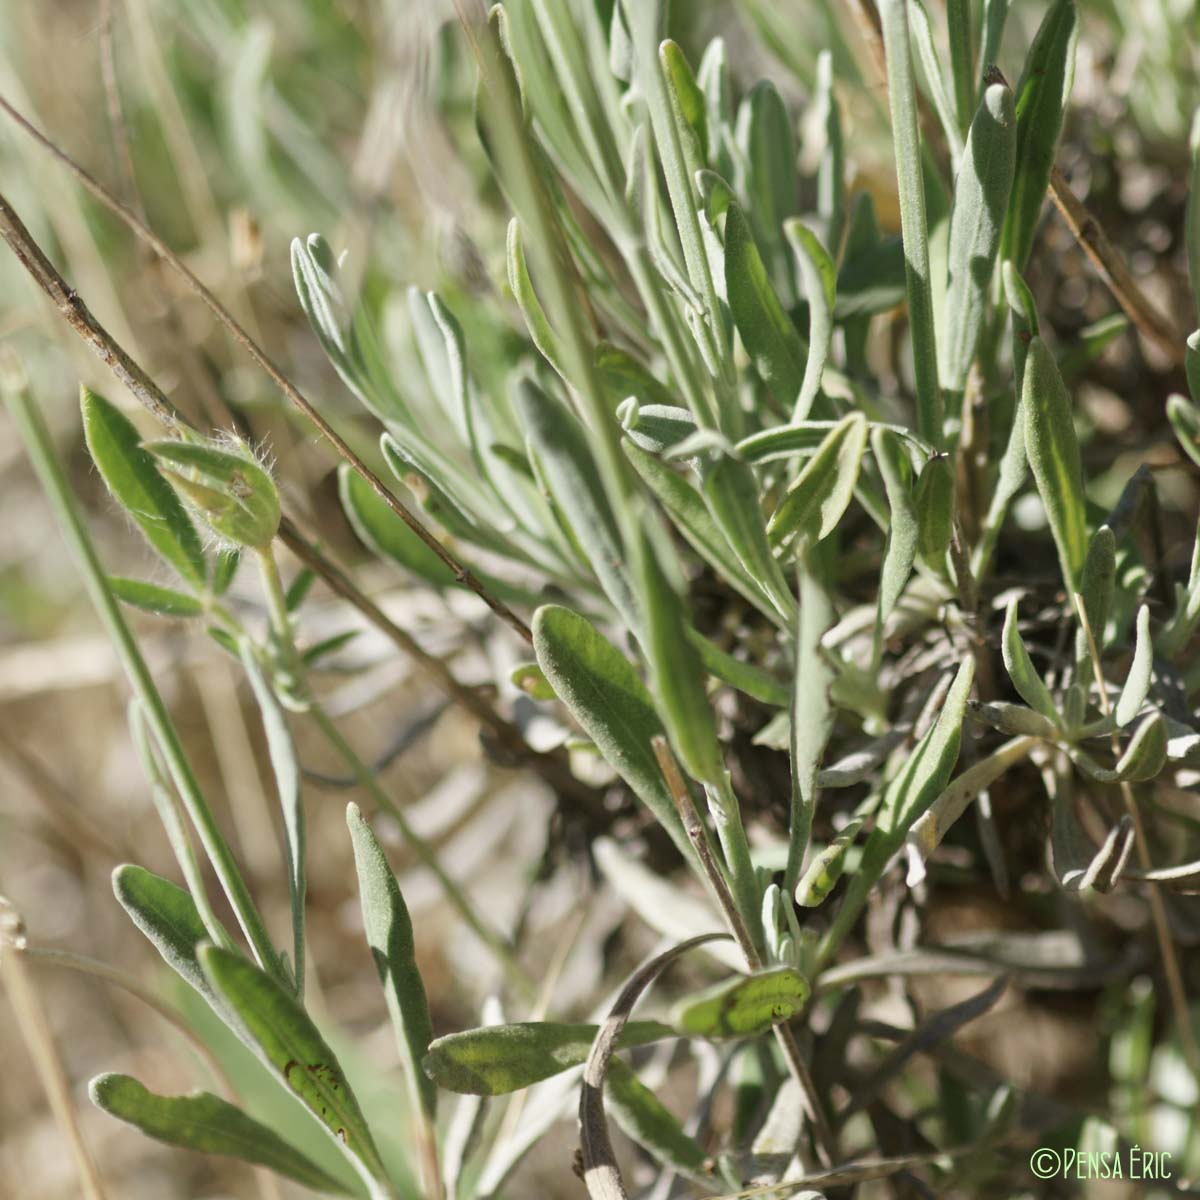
x=1146 y=754
x=643 y=1118
x=151 y=598
x=819 y=274
x=1137 y=682
x=1041 y=99
x=934 y=504
x=743 y=1006
x=1021 y=670
x=1098 y=580
x=1185 y=419
x=529 y=678
x=691 y=516
x=540 y=331
x=980 y=199
x=770 y=338
x=208 y=1124
x=768 y=145
x=822 y=873
x=1012 y=719
x=133 y=479
x=288 y=1042
x=1053 y=453
x=819 y=495
x=497 y=1059
x=604 y=694
x=744 y=676
x=389 y=934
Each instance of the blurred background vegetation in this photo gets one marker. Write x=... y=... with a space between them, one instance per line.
x=234 y=126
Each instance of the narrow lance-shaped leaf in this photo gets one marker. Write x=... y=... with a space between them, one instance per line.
x=934 y=503
x=210 y=1125
x=688 y=512
x=168 y=917
x=935 y=81
x=1185 y=416
x=821 y=875
x=820 y=288
x=768 y=146
x=1053 y=453
x=831 y=169
x=818 y=497
x=1146 y=754
x=980 y=200
x=384 y=533
x=289 y=1043
x=151 y=598
x=1021 y=670
x=390 y=936
x=731 y=492
x=1041 y=100
x=1137 y=682
x=1098 y=581
x=919 y=283
x=604 y=694
x=130 y=473
x=286 y=770
x=812 y=717
x=498 y=1059
x=909 y=794
x=770 y=338
x=564 y=455
x=744 y=1006
x=536 y=321
x=643 y=1118
x=895 y=468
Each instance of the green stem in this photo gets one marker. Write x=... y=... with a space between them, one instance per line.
x=727 y=817
x=40 y=448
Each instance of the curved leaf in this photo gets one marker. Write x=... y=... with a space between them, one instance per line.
x=744 y=1006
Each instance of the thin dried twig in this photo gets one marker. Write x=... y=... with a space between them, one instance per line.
x=35 y=1031
x=462 y=574
x=1089 y=233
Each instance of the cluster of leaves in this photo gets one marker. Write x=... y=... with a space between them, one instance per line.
x=699 y=397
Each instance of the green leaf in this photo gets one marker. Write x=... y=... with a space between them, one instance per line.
x=1146 y=754
x=677 y=678
x=770 y=338
x=285 y=1038
x=133 y=479
x=1137 y=682
x=688 y=512
x=643 y=1118
x=1041 y=100
x=768 y=146
x=384 y=533
x=326 y=646
x=743 y=1006
x=686 y=97
x=822 y=873
x=285 y=768
x=1053 y=453
x=225 y=569
x=731 y=492
x=168 y=917
x=1185 y=420
x=1021 y=670
x=934 y=502
x=235 y=496
x=812 y=717
x=931 y=68
x=536 y=321
x=744 y=676
x=604 y=694
x=208 y=1124
x=388 y=928
x=529 y=678
x=980 y=200
x=831 y=168
x=821 y=492
x=149 y=597
x=1098 y=582
x=498 y=1059
x=906 y=798
x=900 y=553
x=913 y=224
x=820 y=287
x=298 y=589
x=561 y=445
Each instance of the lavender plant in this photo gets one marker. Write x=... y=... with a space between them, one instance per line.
x=921 y=606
